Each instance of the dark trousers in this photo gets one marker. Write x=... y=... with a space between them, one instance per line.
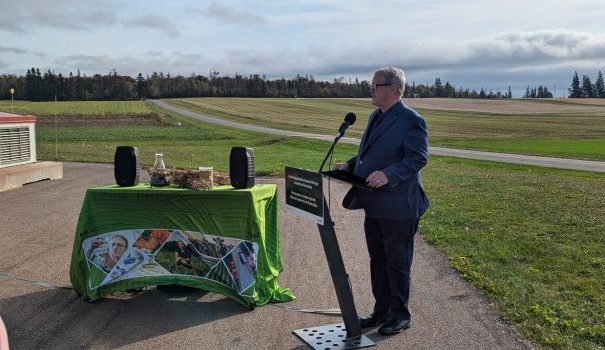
x=391 y=247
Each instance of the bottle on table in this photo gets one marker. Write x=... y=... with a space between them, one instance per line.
x=158 y=178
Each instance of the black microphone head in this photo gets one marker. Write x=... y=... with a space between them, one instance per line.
x=350 y=118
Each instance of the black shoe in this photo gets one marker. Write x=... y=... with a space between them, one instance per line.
x=394 y=326
x=372 y=320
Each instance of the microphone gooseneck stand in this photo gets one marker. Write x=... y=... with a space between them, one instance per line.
x=349 y=120
x=336 y=139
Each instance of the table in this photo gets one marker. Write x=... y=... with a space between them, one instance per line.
x=221 y=240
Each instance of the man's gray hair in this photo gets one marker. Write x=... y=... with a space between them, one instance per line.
x=393 y=75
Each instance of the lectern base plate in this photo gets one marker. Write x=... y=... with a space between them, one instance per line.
x=332 y=337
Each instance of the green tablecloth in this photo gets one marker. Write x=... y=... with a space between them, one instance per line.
x=179 y=236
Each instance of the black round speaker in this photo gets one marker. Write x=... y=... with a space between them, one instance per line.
x=241 y=167
x=126 y=166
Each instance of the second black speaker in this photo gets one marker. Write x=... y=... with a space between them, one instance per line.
x=241 y=167
x=126 y=166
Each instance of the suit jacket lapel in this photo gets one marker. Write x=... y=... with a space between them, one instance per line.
x=364 y=139
x=389 y=119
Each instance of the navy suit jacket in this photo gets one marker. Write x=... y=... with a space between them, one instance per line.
x=398 y=146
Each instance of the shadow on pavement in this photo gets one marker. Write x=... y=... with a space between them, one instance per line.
x=57 y=318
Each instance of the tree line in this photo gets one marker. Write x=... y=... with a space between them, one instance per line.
x=539 y=92
x=586 y=88
x=48 y=86
x=38 y=86
x=438 y=89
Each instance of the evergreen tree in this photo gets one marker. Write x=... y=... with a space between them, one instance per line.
x=587 y=87
x=30 y=89
x=438 y=88
x=599 y=86
x=574 y=90
x=78 y=89
x=49 y=86
x=449 y=90
x=141 y=86
x=406 y=90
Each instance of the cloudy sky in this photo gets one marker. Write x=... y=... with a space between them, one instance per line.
x=472 y=44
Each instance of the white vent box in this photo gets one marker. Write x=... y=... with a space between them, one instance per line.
x=17 y=139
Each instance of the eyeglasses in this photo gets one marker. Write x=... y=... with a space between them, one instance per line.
x=374 y=86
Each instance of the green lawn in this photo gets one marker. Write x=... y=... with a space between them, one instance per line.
x=532 y=239
x=308 y=115
x=569 y=134
x=75 y=107
x=585 y=148
x=189 y=145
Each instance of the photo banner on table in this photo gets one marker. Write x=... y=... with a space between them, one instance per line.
x=130 y=254
x=223 y=240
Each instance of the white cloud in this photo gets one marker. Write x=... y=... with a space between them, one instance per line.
x=517 y=59
x=26 y=15
x=29 y=16
x=229 y=14
x=153 y=22
x=495 y=61
x=539 y=47
x=18 y=51
x=174 y=63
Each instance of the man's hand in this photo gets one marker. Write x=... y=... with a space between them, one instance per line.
x=377 y=179
x=341 y=166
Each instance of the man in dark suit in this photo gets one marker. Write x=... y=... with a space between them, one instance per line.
x=393 y=149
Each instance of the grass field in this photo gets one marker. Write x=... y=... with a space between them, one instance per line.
x=41 y=109
x=562 y=129
x=309 y=115
x=512 y=106
x=188 y=145
x=530 y=238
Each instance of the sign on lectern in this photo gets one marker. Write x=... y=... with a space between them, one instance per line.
x=304 y=194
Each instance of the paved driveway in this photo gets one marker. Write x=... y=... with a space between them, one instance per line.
x=37 y=227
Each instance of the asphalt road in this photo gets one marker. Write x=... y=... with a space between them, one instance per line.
x=37 y=230
x=562 y=163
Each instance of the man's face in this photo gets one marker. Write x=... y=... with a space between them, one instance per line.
x=119 y=246
x=251 y=261
x=381 y=92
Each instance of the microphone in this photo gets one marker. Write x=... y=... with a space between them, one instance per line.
x=349 y=120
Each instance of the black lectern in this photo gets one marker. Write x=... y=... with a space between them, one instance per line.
x=345 y=335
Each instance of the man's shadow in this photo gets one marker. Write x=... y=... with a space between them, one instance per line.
x=58 y=319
